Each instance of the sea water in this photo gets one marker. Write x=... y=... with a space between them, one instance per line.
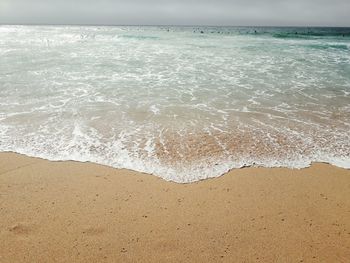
x=182 y=103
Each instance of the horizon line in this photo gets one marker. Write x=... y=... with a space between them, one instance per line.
x=168 y=25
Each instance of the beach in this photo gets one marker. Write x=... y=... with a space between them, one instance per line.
x=84 y=212
x=174 y=144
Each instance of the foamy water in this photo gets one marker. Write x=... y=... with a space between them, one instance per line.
x=176 y=102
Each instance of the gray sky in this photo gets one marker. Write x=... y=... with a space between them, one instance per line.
x=177 y=12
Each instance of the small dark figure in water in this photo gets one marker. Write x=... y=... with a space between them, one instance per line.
x=202 y=32
x=255 y=32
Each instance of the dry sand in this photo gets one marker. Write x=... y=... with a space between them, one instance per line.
x=82 y=212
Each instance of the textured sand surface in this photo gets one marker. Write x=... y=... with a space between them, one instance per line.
x=82 y=212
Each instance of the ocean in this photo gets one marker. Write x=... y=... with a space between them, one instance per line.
x=182 y=103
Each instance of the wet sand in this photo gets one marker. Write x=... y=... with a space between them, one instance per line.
x=83 y=212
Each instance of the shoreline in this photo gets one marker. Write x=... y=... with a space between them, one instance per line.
x=83 y=212
x=337 y=164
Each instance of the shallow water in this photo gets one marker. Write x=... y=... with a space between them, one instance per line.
x=183 y=103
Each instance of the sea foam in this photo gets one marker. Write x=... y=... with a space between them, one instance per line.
x=182 y=103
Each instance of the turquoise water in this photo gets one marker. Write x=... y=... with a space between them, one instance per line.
x=183 y=103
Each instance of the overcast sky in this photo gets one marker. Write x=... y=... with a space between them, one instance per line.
x=177 y=12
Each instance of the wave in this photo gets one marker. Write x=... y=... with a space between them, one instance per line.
x=173 y=104
x=327 y=46
x=311 y=35
x=141 y=37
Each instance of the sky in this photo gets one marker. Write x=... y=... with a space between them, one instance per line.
x=177 y=12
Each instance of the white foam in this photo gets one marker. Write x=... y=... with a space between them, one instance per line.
x=90 y=94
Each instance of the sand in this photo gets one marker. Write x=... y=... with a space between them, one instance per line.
x=83 y=212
